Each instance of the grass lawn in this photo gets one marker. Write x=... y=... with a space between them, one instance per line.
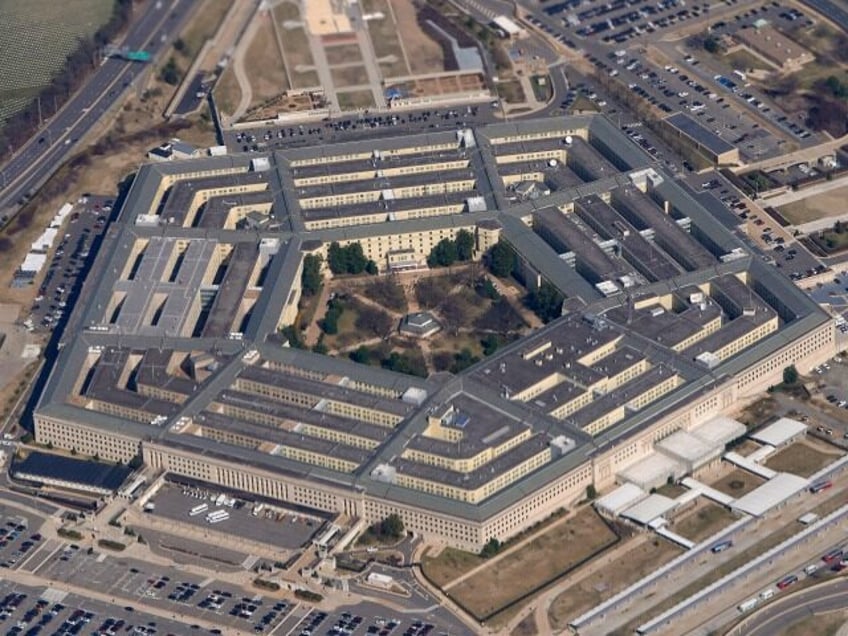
x=227 y=92
x=349 y=76
x=759 y=412
x=816 y=625
x=343 y=54
x=267 y=73
x=351 y=100
x=510 y=91
x=583 y=103
x=830 y=241
x=816 y=207
x=384 y=35
x=545 y=557
x=800 y=459
x=541 y=87
x=738 y=483
x=449 y=565
x=204 y=25
x=527 y=627
x=747 y=447
x=632 y=566
x=671 y=490
x=743 y=60
x=703 y=522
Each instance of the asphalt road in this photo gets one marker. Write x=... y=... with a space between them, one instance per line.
x=796 y=607
x=155 y=24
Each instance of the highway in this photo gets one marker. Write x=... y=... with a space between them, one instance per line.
x=155 y=24
x=778 y=616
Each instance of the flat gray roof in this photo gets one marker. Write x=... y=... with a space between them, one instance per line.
x=108 y=350
x=703 y=136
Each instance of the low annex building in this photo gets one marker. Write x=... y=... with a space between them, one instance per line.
x=177 y=355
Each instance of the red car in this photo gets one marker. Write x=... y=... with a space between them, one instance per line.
x=786 y=581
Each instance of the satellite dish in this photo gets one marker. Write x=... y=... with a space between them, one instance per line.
x=552 y=163
x=568 y=140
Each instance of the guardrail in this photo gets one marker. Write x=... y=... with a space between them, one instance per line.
x=599 y=610
x=664 y=619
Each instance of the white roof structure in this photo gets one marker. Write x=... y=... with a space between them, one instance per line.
x=772 y=493
x=43 y=242
x=507 y=25
x=689 y=449
x=33 y=262
x=782 y=431
x=619 y=499
x=719 y=430
x=649 y=509
x=653 y=471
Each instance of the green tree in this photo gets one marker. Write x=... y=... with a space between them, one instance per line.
x=711 y=45
x=491 y=343
x=443 y=254
x=362 y=355
x=371 y=268
x=463 y=360
x=392 y=526
x=464 y=245
x=330 y=323
x=356 y=261
x=320 y=346
x=492 y=547
x=545 y=301
x=591 y=492
x=337 y=258
x=294 y=337
x=311 y=278
x=790 y=375
x=170 y=73
x=501 y=260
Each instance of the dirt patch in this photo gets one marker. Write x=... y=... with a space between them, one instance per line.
x=450 y=564
x=819 y=206
x=801 y=459
x=606 y=582
x=267 y=73
x=426 y=55
x=343 y=54
x=707 y=519
x=537 y=562
x=738 y=483
x=345 y=76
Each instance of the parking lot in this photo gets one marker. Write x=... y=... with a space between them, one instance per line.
x=32 y=611
x=292 y=135
x=17 y=540
x=616 y=22
x=368 y=619
x=164 y=587
x=71 y=257
x=269 y=525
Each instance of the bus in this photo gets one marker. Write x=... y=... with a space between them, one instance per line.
x=198 y=510
x=217 y=515
x=820 y=485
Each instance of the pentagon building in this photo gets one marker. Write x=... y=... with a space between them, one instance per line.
x=175 y=350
